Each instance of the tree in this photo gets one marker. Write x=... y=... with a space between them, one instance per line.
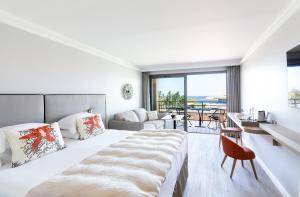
x=170 y=100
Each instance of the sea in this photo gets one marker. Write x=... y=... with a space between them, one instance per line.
x=205 y=100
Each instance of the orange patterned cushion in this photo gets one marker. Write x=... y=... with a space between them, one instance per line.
x=30 y=144
x=89 y=126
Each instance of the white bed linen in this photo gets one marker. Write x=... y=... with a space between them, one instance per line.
x=15 y=182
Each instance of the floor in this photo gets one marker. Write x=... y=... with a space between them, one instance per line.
x=193 y=127
x=207 y=178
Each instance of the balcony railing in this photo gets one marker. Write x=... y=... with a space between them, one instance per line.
x=194 y=108
x=294 y=101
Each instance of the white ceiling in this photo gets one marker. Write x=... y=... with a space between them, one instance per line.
x=156 y=32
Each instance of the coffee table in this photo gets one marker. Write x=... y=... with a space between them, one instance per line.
x=175 y=119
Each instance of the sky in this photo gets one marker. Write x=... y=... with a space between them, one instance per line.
x=198 y=85
x=293 y=78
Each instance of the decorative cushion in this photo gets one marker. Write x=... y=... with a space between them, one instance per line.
x=152 y=115
x=141 y=114
x=30 y=144
x=129 y=116
x=4 y=146
x=89 y=126
x=68 y=124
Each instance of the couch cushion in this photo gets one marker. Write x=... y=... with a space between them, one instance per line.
x=152 y=115
x=158 y=124
x=129 y=116
x=141 y=114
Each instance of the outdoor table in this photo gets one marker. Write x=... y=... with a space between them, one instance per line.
x=175 y=119
x=199 y=115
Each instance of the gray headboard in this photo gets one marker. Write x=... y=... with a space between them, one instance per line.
x=58 y=106
x=19 y=109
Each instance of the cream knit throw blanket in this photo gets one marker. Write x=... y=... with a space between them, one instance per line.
x=133 y=167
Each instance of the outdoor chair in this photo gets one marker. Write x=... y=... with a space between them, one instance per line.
x=188 y=118
x=215 y=117
x=180 y=111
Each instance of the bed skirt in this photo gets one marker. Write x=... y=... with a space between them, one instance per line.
x=181 y=179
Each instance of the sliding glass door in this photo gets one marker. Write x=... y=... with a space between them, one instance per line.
x=206 y=101
x=168 y=96
x=196 y=101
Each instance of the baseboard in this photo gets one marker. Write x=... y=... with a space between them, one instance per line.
x=273 y=178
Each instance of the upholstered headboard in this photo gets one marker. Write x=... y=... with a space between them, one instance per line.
x=35 y=108
x=58 y=106
x=18 y=109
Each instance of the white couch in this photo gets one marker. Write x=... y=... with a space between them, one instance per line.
x=136 y=120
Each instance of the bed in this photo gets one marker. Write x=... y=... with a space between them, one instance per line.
x=17 y=109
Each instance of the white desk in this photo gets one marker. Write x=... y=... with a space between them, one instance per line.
x=279 y=133
x=247 y=129
x=283 y=135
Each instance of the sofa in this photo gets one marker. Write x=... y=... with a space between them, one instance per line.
x=136 y=120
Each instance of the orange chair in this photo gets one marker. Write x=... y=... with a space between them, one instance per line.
x=237 y=132
x=237 y=152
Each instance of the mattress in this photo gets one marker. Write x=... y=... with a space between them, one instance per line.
x=18 y=181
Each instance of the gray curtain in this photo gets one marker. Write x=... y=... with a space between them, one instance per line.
x=233 y=88
x=146 y=90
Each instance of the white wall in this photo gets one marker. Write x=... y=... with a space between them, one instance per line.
x=264 y=86
x=31 y=64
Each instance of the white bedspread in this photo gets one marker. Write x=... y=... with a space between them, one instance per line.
x=18 y=181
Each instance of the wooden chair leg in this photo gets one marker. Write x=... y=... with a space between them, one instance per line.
x=223 y=160
x=233 y=166
x=242 y=163
x=253 y=168
x=241 y=138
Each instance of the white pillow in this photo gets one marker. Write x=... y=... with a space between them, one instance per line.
x=3 y=141
x=68 y=124
x=69 y=135
x=5 y=157
x=33 y=143
x=90 y=126
x=152 y=115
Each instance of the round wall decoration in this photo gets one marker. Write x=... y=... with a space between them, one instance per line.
x=127 y=91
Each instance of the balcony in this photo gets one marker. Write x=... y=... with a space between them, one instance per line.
x=197 y=111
